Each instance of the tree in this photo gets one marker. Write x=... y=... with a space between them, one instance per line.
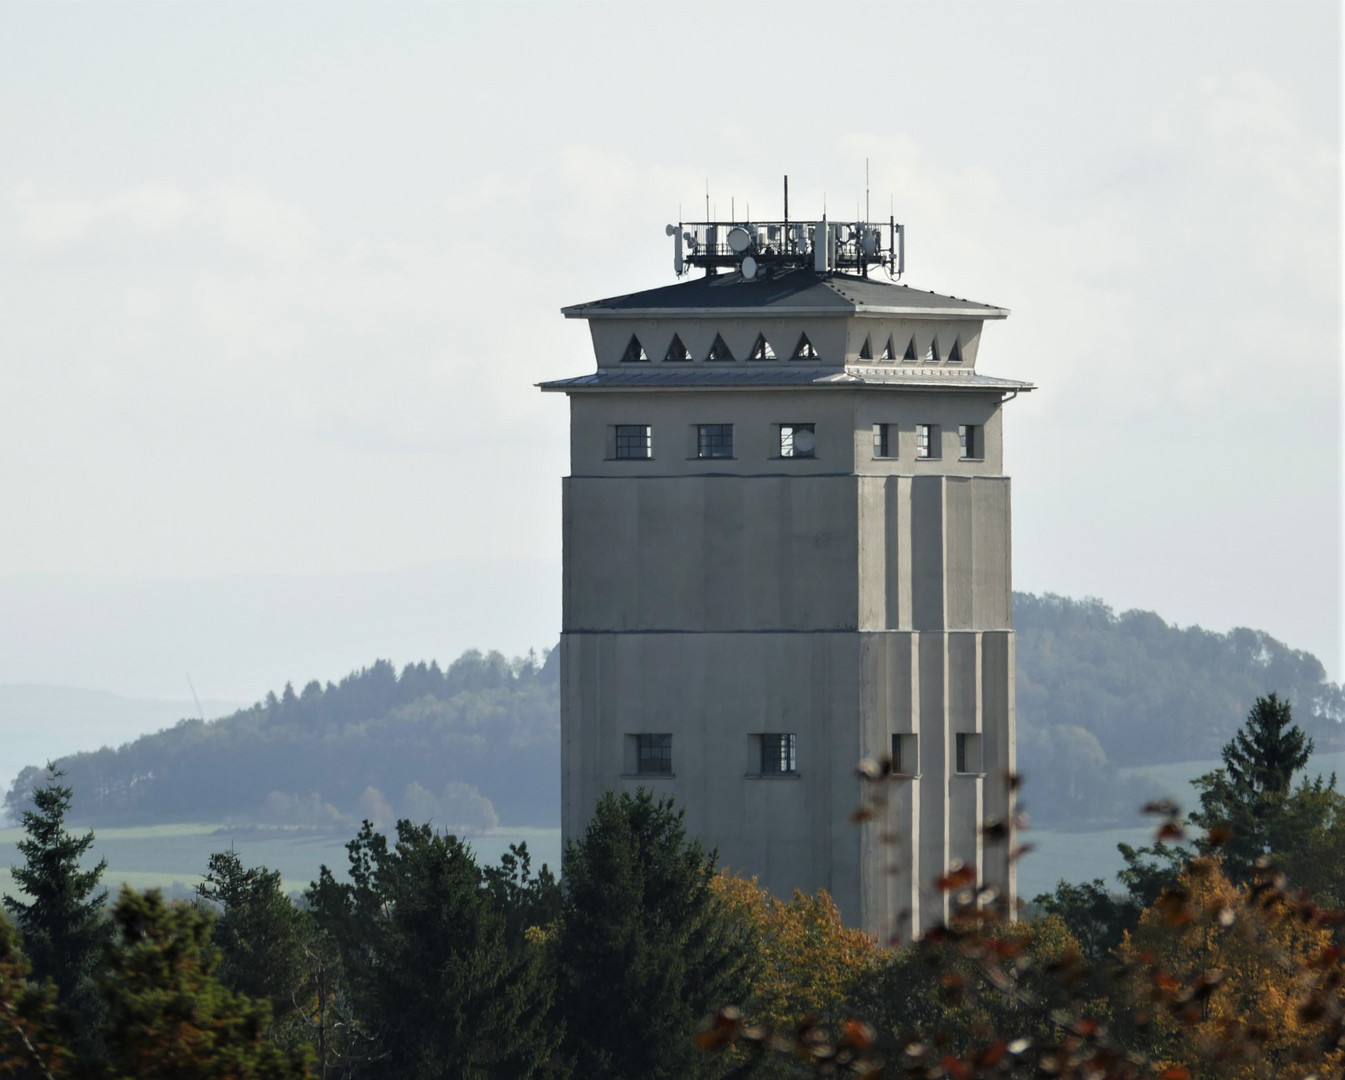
x=167 y=1016
x=259 y=933
x=808 y=962
x=63 y=924
x=1236 y=981
x=528 y=901
x=1242 y=803
x=432 y=976
x=644 y=948
x=31 y=1042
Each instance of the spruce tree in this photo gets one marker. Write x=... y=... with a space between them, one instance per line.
x=645 y=948
x=63 y=923
x=1241 y=804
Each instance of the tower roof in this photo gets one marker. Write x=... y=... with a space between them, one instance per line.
x=791 y=292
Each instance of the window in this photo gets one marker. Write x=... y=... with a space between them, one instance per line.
x=762 y=350
x=798 y=441
x=909 y=357
x=955 y=354
x=884 y=440
x=866 y=350
x=927 y=441
x=905 y=755
x=804 y=350
x=677 y=352
x=634 y=353
x=969 y=437
x=932 y=353
x=779 y=755
x=633 y=442
x=714 y=440
x=889 y=351
x=968 y=748
x=653 y=755
x=719 y=350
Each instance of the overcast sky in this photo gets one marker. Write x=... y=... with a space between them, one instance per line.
x=276 y=281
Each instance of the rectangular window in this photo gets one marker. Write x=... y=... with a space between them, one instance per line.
x=633 y=441
x=968 y=748
x=653 y=755
x=905 y=755
x=798 y=441
x=884 y=440
x=927 y=441
x=779 y=755
x=970 y=438
x=714 y=440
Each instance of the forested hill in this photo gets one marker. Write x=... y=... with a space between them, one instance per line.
x=479 y=743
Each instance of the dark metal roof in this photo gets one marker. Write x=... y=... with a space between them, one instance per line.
x=795 y=292
x=668 y=378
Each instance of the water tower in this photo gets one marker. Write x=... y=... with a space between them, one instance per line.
x=787 y=549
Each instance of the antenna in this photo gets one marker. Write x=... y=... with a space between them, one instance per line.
x=199 y=711
x=866 y=189
x=707 y=197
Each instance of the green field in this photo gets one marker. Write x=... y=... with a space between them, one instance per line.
x=173 y=857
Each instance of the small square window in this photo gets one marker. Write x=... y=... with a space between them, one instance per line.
x=968 y=748
x=927 y=441
x=779 y=755
x=633 y=442
x=714 y=440
x=884 y=440
x=653 y=755
x=798 y=441
x=970 y=439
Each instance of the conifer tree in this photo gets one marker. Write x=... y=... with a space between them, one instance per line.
x=645 y=948
x=63 y=924
x=31 y=1043
x=167 y=1016
x=1241 y=804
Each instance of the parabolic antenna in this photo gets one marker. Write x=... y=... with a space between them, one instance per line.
x=805 y=442
x=739 y=239
x=668 y=230
x=749 y=267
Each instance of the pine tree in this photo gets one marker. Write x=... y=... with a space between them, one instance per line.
x=63 y=924
x=1241 y=804
x=167 y=1016
x=31 y=1043
x=645 y=950
x=436 y=983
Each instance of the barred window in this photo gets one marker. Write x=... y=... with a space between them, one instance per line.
x=714 y=440
x=884 y=440
x=779 y=754
x=633 y=441
x=798 y=441
x=927 y=441
x=653 y=755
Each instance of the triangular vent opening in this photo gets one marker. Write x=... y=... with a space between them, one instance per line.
x=762 y=350
x=719 y=350
x=955 y=357
x=804 y=349
x=910 y=352
x=866 y=350
x=634 y=353
x=889 y=350
x=932 y=353
x=677 y=352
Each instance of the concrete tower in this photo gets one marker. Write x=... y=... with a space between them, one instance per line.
x=787 y=549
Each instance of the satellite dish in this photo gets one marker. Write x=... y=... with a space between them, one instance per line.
x=749 y=267
x=739 y=239
x=805 y=442
x=668 y=230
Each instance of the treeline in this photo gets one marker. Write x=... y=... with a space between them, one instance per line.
x=644 y=961
x=479 y=743
x=469 y=747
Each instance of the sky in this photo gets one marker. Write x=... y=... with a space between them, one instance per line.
x=277 y=282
